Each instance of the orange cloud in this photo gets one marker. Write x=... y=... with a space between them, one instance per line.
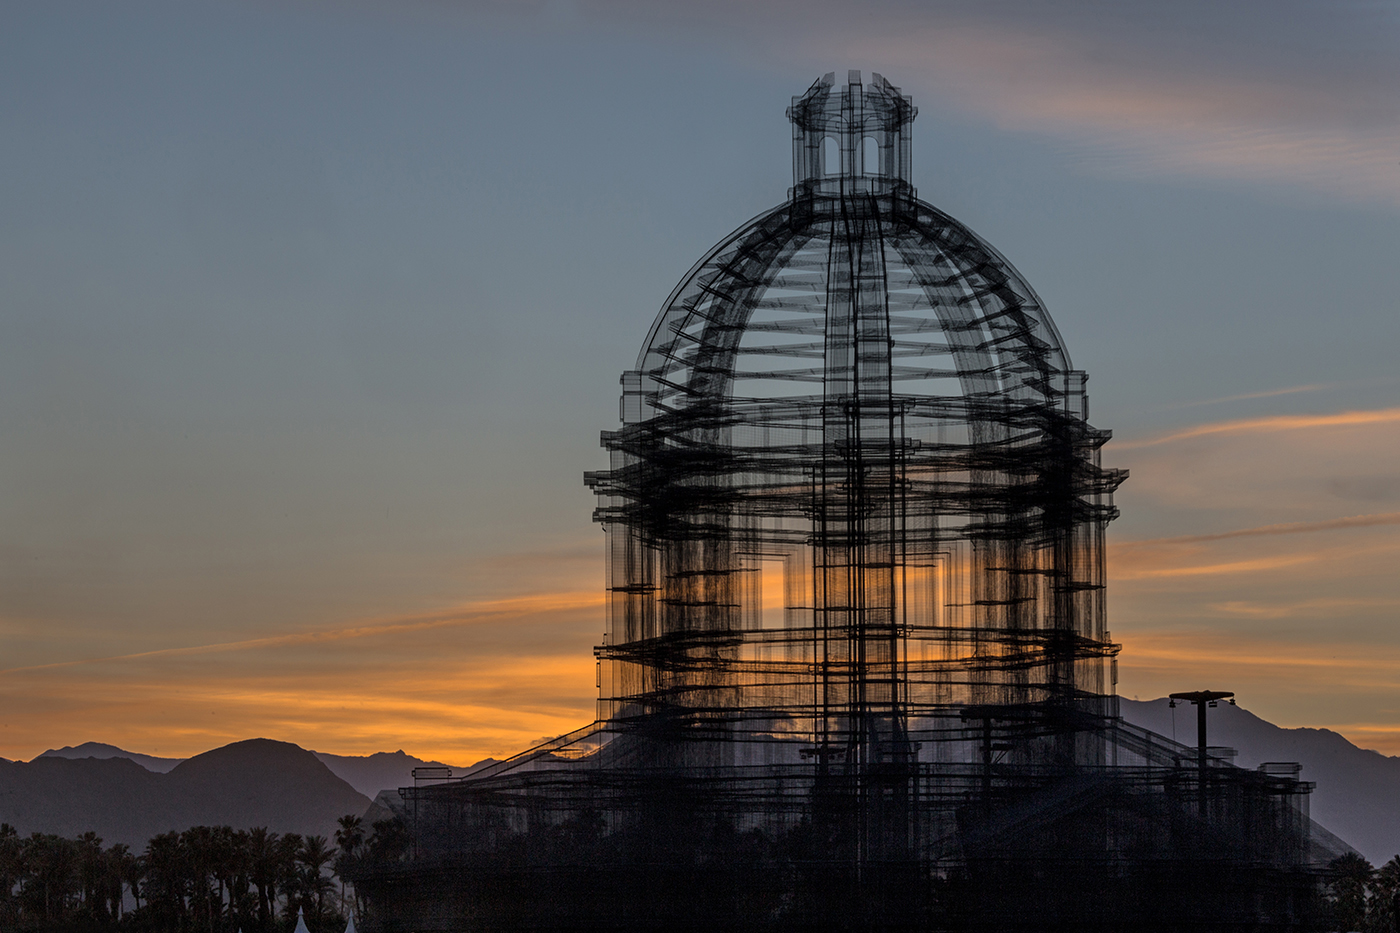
x=1238 y=566
x=1213 y=650
x=483 y=680
x=475 y=613
x=1275 y=423
x=1283 y=610
x=1284 y=528
x=1359 y=558
x=458 y=712
x=1289 y=681
x=1270 y=393
x=1144 y=113
x=1382 y=737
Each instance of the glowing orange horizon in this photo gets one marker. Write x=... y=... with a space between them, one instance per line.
x=488 y=678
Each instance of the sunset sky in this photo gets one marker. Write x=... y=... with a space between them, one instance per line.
x=311 y=312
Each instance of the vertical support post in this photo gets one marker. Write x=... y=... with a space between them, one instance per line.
x=987 y=761
x=1199 y=698
x=1201 y=751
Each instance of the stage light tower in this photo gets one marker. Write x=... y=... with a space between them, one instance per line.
x=1201 y=699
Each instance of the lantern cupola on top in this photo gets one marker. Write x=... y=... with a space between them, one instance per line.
x=853 y=139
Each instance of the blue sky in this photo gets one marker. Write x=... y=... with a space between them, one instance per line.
x=312 y=312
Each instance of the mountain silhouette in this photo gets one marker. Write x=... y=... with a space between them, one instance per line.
x=259 y=782
x=288 y=789
x=368 y=774
x=102 y=750
x=1358 y=790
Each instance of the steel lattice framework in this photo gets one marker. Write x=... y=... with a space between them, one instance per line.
x=855 y=489
x=857 y=673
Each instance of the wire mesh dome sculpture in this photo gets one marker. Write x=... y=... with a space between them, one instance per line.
x=855 y=489
x=854 y=671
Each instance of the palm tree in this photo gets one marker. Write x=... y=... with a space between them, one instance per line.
x=1348 y=877
x=263 y=849
x=223 y=864
x=202 y=857
x=51 y=866
x=90 y=874
x=133 y=872
x=239 y=869
x=350 y=842
x=166 y=879
x=11 y=871
x=113 y=879
x=1384 y=909
x=389 y=841
x=288 y=878
x=312 y=860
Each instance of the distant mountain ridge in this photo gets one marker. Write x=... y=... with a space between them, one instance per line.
x=1357 y=795
x=368 y=774
x=1358 y=790
x=104 y=751
x=259 y=782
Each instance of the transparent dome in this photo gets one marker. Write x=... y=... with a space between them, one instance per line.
x=851 y=280
x=855 y=492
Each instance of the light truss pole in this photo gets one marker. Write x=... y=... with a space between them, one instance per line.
x=1201 y=699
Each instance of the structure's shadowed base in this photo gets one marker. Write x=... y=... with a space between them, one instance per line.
x=569 y=847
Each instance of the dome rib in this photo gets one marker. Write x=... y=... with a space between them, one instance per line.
x=1000 y=336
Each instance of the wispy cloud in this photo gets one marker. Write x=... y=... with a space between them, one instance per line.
x=1147 y=93
x=1271 y=393
x=1216 y=90
x=1270 y=424
x=1283 y=610
x=1206 y=650
x=1310 y=666
x=1379 y=736
x=1244 y=573
x=475 y=613
x=454 y=709
x=1225 y=567
x=1284 y=528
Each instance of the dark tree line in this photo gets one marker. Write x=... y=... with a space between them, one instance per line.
x=207 y=879
x=1363 y=898
x=215 y=879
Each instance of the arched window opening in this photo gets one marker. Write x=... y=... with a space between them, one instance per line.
x=870 y=156
x=831 y=156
